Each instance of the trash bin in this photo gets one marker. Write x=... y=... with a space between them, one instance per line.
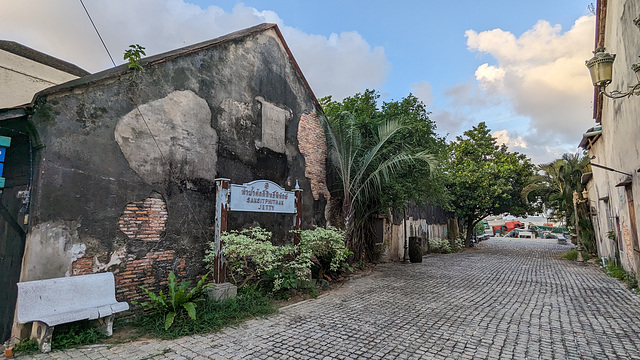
x=415 y=249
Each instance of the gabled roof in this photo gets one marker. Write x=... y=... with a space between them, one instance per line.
x=160 y=58
x=42 y=58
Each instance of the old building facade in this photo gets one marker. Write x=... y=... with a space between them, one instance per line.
x=116 y=171
x=612 y=144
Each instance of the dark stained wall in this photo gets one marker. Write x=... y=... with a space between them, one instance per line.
x=125 y=181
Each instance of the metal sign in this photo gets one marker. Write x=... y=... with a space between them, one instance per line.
x=262 y=196
x=5 y=142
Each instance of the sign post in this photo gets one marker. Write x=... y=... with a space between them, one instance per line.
x=255 y=196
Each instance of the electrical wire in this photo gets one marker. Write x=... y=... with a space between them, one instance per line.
x=97 y=32
x=146 y=124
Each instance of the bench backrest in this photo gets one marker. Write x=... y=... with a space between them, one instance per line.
x=61 y=295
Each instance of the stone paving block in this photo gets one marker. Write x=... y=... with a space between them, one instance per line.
x=505 y=299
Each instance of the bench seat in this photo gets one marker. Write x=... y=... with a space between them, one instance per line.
x=52 y=302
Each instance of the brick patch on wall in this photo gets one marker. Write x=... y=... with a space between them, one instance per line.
x=313 y=145
x=145 y=220
x=151 y=271
x=82 y=266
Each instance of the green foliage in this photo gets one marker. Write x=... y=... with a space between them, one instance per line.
x=133 y=56
x=65 y=336
x=26 y=346
x=212 y=315
x=573 y=255
x=252 y=259
x=382 y=156
x=485 y=179
x=177 y=300
x=615 y=271
x=479 y=229
x=443 y=246
x=554 y=184
x=75 y=334
x=328 y=248
x=631 y=280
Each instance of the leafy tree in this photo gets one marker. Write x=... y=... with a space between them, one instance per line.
x=554 y=185
x=485 y=179
x=382 y=157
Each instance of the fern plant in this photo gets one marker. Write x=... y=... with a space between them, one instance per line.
x=177 y=299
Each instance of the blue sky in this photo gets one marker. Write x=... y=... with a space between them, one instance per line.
x=517 y=65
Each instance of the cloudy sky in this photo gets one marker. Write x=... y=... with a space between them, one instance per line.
x=518 y=66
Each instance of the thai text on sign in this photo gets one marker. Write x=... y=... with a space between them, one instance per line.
x=261 y=196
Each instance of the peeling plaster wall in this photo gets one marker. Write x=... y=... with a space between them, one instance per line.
x=56 y=241
x=618 y=148
x=231 y=111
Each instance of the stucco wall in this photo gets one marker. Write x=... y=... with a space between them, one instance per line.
x=127 y=163
x=618 y=148
x=21 y=78
x=425 y=223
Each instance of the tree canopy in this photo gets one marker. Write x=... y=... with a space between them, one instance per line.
x=383 y=156
x=484 y=178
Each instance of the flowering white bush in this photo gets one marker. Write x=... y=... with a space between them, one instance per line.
x=252 y=258
x=327 y=245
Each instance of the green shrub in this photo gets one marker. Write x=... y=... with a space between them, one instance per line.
x=177 y=300
x=328 y=248
x=212 y=315
x=441 y=246
x=573 y=255
x=252 y=258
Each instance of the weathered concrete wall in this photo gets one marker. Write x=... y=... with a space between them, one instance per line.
x=619 y=148
x=21 y=78
x=127 y=162
x=426 y=223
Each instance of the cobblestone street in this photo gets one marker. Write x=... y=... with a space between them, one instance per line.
x=505 y=299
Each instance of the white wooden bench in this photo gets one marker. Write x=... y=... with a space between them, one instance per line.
x=51 y=302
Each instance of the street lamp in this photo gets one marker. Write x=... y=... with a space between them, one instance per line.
x=576 y=200
x=601 y=70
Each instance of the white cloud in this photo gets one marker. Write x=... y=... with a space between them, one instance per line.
x=541 y=75
x=423 y=92
x=487 y=74
x=339 y=65
x=502 y=137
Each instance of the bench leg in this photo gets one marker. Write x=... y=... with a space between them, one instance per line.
x=42 y=333
x=105 y=325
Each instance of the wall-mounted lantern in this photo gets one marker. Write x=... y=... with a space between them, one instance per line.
x=601 y=69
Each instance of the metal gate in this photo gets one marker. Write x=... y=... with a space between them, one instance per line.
x=14 y=214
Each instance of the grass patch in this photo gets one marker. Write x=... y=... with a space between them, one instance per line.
x=26 y=347
x=211 y=315
x=573 y=255
x=75 y=334
x=64 y=336
x=615 y=271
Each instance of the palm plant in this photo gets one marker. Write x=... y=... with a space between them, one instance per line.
x=365 y=161
x=556 y=182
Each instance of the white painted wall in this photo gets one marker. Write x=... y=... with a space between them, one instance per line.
x=21 y=78
x=619 y=146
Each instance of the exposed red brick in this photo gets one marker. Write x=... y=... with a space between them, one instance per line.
x=144 y=220
x=82 y=266
x=313 y=145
